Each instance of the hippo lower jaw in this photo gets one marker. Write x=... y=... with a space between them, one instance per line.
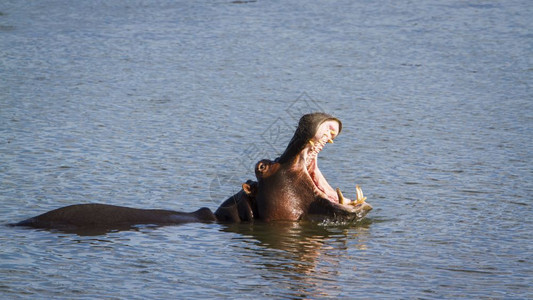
x=322 y=190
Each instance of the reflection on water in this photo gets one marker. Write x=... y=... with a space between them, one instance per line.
x=299 y=252
x=297 y=237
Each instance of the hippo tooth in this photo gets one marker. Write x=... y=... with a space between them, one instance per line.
x=333 y=132
x=341 y=197
x=311 y=142
x=330 y=141
x=359 y=191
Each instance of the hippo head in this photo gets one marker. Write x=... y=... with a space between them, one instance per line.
x=293 y=188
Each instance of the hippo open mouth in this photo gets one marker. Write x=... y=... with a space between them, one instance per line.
x=325 y=134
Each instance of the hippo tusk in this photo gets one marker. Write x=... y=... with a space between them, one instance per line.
x=341 y=197
x=360 y=198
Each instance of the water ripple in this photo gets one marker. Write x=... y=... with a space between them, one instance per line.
x=157 y=104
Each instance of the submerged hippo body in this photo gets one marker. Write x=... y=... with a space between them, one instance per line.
x=290 y=188
x=237 y=208
x=104 y=215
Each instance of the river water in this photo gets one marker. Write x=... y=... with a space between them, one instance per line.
x=168 y=104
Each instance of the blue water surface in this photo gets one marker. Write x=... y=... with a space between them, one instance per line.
x=169 y=104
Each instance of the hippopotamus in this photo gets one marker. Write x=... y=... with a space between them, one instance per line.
x=289 y=188
x=292 y=187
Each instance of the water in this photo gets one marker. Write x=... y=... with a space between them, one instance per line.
x=169 y=104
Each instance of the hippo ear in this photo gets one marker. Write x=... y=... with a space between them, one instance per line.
x=250 y=188
x=261 y=166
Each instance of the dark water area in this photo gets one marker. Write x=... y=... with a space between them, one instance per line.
x=168 y=104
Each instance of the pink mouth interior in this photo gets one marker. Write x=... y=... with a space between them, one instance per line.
x=326 y=132
x=321 y=184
